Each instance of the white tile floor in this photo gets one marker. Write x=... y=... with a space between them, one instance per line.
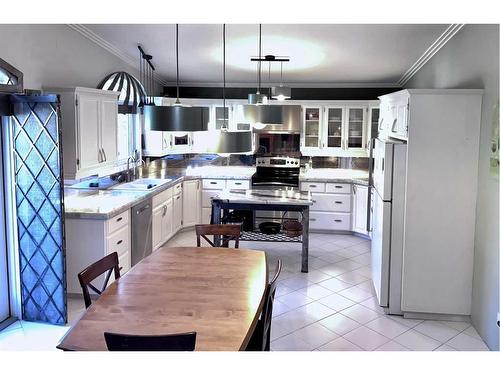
x=330 y=308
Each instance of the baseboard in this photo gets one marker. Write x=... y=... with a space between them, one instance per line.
x=429 y=316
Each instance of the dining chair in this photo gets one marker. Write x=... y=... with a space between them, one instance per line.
x=174 y=342
x=107 y=265
x=261 y=337
x=229 y=232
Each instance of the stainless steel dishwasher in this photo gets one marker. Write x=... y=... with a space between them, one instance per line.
x=142 y=244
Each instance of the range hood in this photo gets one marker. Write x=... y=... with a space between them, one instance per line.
x=270 y=118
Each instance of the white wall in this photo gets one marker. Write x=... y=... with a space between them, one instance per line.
x=470 y=60
x=56 y=55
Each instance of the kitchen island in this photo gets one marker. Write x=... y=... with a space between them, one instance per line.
x=274 y=200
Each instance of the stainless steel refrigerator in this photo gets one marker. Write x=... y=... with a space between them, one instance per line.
x=388 y=180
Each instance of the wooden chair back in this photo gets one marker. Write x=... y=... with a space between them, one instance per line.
x=175 y=342
x=261 y=337
x=229 y=232
x=107 y=265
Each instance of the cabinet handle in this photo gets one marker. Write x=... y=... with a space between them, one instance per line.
x=312 y=185
x=119 y=219
x=337 y=220
x=338 y=186
x=213 y=183
x=164 y=210
x=338 y=202
x=354 y=188
x=237 y=183
x=104 y=153
x=314 y=201
x=119 y=242
x=178 y=197
x=312 y=219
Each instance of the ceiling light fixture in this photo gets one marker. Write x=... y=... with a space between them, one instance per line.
x=176 y=117
x=281 y=92
x=258 y=98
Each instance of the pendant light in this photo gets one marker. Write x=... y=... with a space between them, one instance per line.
x=229 y=142
x=258 y=98
x=177 y=117
x=281 y=92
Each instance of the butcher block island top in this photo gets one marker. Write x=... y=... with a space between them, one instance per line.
x=217 y=292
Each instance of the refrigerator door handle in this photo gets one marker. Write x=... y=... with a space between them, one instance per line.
x=370 y=184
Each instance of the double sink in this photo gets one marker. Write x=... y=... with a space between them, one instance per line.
x=142 y=184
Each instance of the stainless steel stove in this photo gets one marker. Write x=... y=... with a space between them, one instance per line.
x=276 y=172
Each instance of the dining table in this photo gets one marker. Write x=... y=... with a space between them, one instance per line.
x=216 y=292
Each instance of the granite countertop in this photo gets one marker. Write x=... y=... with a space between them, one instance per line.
x=104 y=204
x=285 y=197
x=335 y=175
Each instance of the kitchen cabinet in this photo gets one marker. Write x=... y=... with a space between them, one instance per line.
x=177 y=209
x=211 y=188
x=312 y=123
x=359 y=208
x=89 y=130
x=331 y=209
x=88 y=240
x=191 y=203
x=337 y=129
x=163 y=215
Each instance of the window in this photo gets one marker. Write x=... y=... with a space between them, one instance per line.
x=129 y=135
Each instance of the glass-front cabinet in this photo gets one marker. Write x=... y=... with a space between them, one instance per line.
x=312 y=128
x=334 y=126
x=355 y=125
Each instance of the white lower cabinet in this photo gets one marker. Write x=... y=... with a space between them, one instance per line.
x=211 y=188
x=331 y=209
x=88 y=240
x=177 y=212
x=359 y=208
x=191 y=203
x=330 y=221
x=162 y=218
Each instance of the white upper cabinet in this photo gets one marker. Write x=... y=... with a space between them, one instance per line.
x=336 y=129
x=312 y=124
x=355 y=128
x=89 y=130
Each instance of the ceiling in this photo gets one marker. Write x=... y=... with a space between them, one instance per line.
x=319 y=54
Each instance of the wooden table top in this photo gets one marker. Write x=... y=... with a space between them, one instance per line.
x=217 y=292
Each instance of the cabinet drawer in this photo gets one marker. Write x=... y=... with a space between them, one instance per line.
x=161 y=198
x=318 y=187
x=238 y=184
x=330 y=221
x=331 y=202
x=338 y=188
x=119 y=241
x=214 y=184
x=206 y=197
x=118 y=221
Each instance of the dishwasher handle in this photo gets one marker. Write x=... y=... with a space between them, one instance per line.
x=142 y=209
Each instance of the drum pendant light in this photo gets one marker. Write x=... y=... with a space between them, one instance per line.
x=230 y=142
x=258 y=98
x=281 y=92
x=176 y=117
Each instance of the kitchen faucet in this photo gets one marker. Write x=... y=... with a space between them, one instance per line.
x=132 y=157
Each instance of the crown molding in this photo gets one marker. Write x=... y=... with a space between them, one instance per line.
x=288 y=84
x=101 y=42
x=431 y=51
